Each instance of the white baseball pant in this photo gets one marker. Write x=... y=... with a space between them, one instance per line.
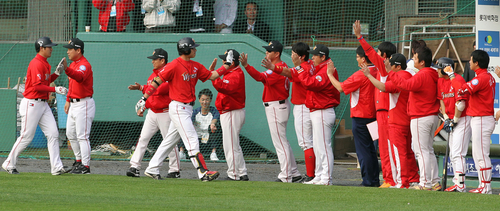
x=33 y=113
x=322 y=124
x=153 y=123
x=459 y=143
x=277 y=118
x=182 y=127
x=80 y=117
x=303 y=126
x=231 y=123
x=482 y=127
x=422 y=132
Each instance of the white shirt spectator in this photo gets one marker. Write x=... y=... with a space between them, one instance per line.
x=225 y=13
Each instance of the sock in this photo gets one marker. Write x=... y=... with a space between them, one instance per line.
x=310 y=160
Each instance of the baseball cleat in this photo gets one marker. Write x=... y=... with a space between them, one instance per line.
x=209 y=176
x=11 y=171
x=81 y=169
x=74 y=166
x=213 y=156
x=419 y=187
x=174 y=175
x=385 y=185
x=133 y=172
x=244 y=178
x=481 y=190
x=455 y=188
x=307 y=178
x=312 y=182
x=278 y=180
x=317 y=182
x=297 y=179
x=436 y=187
x=153 y=176
x=61 y=171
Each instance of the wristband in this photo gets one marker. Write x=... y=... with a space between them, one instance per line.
x=144 y=98
x=360 y=38
x=278 y=69
x=222 y=70
x=141 y=87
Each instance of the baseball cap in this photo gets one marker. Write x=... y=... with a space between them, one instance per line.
x=320 y=49
x=74 y=43
x=274 y=46
x=398 y=59
x=159 y=53
x=236 y=55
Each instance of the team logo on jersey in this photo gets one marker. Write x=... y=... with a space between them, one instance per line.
x=185 y=76
x=195 y=69
x=225 y=81
x=319 y=78
x=47 y=76
x=39 y=76
x=474 y=82
x=269 y=72
x=82 y=68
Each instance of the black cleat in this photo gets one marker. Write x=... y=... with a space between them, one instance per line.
x=209 y=176
x=11 y=171
x=75 y=165
x=153 y=176
x=244 y=178
x=174 y=175
x=133 y=172
x=297 y=179
x=81 y=169
x=307 y=178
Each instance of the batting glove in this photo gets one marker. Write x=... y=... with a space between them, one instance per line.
x=61 y=90
x=229 y=58
x=448 y=125
x=140 y=105
x=60 y=67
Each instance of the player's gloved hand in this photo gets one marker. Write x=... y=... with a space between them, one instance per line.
x=229 y=58
x=448 y=125
x=140 y=106
x=449 y=71
x=60 y=66
x=61 y=90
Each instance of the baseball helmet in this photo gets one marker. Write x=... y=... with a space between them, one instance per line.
x=185 y=45
x=43 y=42
x=443 y=62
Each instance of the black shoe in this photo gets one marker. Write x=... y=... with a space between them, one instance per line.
x=11 y=171
x=133 y=172
x=297 y=179
x=209 y=176
x=174 y=175
x=244 y=178
x=75 y=165
x=81 y=170
x=228 y=178
x=278 y=180
x=307 y=178
x=154 y=176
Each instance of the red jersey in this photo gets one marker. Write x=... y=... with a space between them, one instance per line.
x=298 y=90
x=158 y=102
x=381 y=98
x=321 y=94
x=81 y=81
x=482 y=94
x=398 y=99
x=423 y=92
x=182 y=77
x=276 y=87
x=122 y=9
x=231 y=90
x=38 y=75
x=361 y=90
x=449 y=95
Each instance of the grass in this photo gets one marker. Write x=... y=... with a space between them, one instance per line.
x=42 y=191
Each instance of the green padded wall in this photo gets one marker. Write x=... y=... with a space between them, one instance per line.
x=9 y=114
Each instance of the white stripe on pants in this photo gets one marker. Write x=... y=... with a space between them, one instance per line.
x=322 y=124
x=80 y=117
x=152 y=123
x=35 y=113
x=422 y=132
x=231 y=123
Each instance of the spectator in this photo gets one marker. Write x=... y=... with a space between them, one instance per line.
x=225 y=15
x=195 y=16
x=159 y=15
x=252 y=25
x=113 y=15
x=468 y=73
x=205 y=120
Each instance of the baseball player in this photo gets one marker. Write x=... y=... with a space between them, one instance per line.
x=482 y=91
x=182 y=74
x=34 y=109
x=385 y=50
x=301 y=114
x=423 y=109
x=457 y=123
x=404 y=169
x=321 y=98
x=156 y=119
x=362 y=113
x=79 y=106
x=277 y=107
x=230 y=102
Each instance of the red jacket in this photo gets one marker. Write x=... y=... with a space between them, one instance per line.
x=381 y=98
x=81 y=81
x=276 y=87
x=159 y=101
x=321 y=94
x=423 y=92
x=482 y=94
x=299 y=92
x=398 y=99
x=122 y=18
x=448 y=94
x=361 y=91
x=38 y=79
x=231 y=90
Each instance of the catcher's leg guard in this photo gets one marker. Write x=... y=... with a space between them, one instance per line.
x=199 y=162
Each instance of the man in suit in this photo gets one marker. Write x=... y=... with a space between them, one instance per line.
x=251 y=25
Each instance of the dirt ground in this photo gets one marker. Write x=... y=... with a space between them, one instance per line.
x=344 y=171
